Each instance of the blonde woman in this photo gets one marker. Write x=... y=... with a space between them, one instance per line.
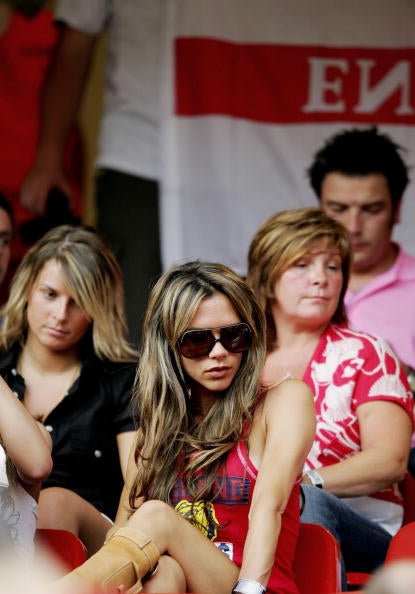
x=299 y=262
x=64 y=353
x=216 y=462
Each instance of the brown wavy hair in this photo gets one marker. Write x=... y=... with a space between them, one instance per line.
x=279 y=242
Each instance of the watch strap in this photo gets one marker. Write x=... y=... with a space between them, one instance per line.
x=245 y=586
x=315 y=478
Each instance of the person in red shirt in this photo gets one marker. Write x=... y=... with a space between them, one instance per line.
x=28 y=36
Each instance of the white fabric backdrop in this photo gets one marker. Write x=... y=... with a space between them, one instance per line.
x=252 y=89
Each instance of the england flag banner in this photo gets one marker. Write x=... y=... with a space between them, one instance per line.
x=253 y=89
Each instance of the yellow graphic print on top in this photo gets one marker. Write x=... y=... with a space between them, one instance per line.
x=202 y=515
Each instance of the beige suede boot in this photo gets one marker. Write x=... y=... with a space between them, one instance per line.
x=118 y=566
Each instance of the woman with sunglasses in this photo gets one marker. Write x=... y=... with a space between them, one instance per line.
x=299 y=263
x=211 y=501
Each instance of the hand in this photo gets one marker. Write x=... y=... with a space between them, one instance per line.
x=305 y=480
x=37 y=184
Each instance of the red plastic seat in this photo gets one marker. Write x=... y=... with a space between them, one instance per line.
x=317 y=563
x=402 y=545
x=69 y=550
x=407 y=489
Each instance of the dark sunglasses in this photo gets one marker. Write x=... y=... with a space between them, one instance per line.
x=195 y=344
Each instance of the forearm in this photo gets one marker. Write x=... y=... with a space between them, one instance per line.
x=62 y=94
x=286 y=427
x=362 y=474
x=29 y=451
x=261 y=543
x=125 y=443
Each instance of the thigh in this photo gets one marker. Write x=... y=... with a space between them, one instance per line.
x=206 y=568
x=321 y=508
x=65 y=510
x=363 y=543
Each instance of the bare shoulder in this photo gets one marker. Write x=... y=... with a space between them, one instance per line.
x=291 y=399
x=289 y=389
x=287 y=416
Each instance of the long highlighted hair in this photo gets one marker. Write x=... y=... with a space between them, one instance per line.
x=169 y=441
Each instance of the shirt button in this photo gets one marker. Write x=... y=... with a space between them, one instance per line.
x=97 y=453
x=14 y=371
x=49 y=428
x=16 y=394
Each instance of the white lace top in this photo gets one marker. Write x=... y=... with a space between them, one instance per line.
x=18 y=514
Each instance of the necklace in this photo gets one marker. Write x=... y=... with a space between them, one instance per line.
x=290 y=373
x=277 y=370
x=74 y=375
x=285 y=372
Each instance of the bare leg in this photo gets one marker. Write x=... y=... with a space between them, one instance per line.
x=205 y=568
x=169 y=577
x=65 y=510
x=155 y=526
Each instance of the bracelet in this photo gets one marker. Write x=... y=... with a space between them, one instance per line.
x=245 y=586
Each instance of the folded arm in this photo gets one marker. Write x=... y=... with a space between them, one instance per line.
x=385 y=434
x=27 y=444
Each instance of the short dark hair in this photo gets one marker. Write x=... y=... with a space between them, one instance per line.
x=5 y=205
x=356 y=152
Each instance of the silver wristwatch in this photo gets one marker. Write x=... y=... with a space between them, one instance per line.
x=245 y=586
x=315 y=478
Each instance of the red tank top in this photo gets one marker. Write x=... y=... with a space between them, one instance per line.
x=230 y=508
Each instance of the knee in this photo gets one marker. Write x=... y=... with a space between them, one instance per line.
x=168 y=578
x=160 y=516
x=57 y=507
x=54 y=498
x=153 y=510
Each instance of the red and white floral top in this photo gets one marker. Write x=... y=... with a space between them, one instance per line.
x=350 y=368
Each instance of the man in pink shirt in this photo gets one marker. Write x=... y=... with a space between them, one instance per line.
x=359 y=177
